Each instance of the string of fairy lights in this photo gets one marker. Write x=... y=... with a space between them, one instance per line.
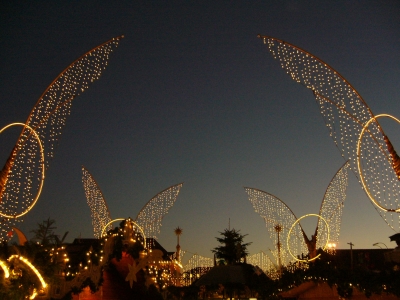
x=21 y=176
x=345 y=114
x=99 y=210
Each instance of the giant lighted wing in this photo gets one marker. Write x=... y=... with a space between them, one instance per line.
x=346 y=115
x=332 y=208
x=263 y=261
x=279 y=219
x=150 y=216
x=22 y=174
x=97 y=204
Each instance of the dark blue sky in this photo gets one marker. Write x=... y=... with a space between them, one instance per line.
x=192 y=95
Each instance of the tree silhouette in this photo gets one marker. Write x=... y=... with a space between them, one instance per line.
x=232 y=250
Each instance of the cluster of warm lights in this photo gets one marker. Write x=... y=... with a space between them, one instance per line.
x=345 y=114
x=23 y=175
x=150 y=216
x=101 y=219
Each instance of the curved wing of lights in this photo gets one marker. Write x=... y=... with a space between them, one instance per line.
x=278 y=217
x=98 y=206
x=332 y=208
x=32 y=267
x=295 y=225
x=150 y=216
x=18 y=178
x=364 y=172
x=198 y=261
x=9 y=209
x=345 y=114
x=263 y=261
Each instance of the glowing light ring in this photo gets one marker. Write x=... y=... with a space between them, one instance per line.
x=359 y=161
x=43 y=169
x=5 y=269
x=294 y=224
x=116 y=220
x=24 y=260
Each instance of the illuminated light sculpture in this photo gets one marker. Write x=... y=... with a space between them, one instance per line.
x=32 y=267
x=277 y=214
x=101 y=219
x=149 y=217
x=346 y=114
x=20 y=178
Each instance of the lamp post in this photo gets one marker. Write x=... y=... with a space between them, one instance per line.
x=377 y=244
x=351 y=255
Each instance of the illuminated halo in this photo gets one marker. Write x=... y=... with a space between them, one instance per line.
x=116 y=220
x=32 y=267
x=294 y=224
x=43 y=168
x=359 y=163
x=5 y=269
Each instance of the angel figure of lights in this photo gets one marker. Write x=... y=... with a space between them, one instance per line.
x=21 y=178
x=353 y=127
x=284 y=227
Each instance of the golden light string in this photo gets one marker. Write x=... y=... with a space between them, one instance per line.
x=360 y=169
x=42 y=176
x=294 y=224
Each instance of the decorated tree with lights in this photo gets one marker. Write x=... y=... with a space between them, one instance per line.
x=233 y=250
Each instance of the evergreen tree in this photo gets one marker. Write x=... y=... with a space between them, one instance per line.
x=232 y=250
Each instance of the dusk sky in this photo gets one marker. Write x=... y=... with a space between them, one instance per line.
x=192 y=95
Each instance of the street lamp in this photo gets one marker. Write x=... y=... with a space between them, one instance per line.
x=377 y=244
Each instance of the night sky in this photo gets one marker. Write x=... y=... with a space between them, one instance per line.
x=192 y=95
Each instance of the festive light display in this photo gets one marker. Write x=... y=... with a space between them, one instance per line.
x=346 y=114
x=279 y=219
x=98 y=206
x=150 y=216
x=20 y=178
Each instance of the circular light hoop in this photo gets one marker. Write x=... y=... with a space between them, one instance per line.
x=116 y=220
x=294 y=224
x=43 y=169
x=5 y=269
x=32 y=267
x=359 y=161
